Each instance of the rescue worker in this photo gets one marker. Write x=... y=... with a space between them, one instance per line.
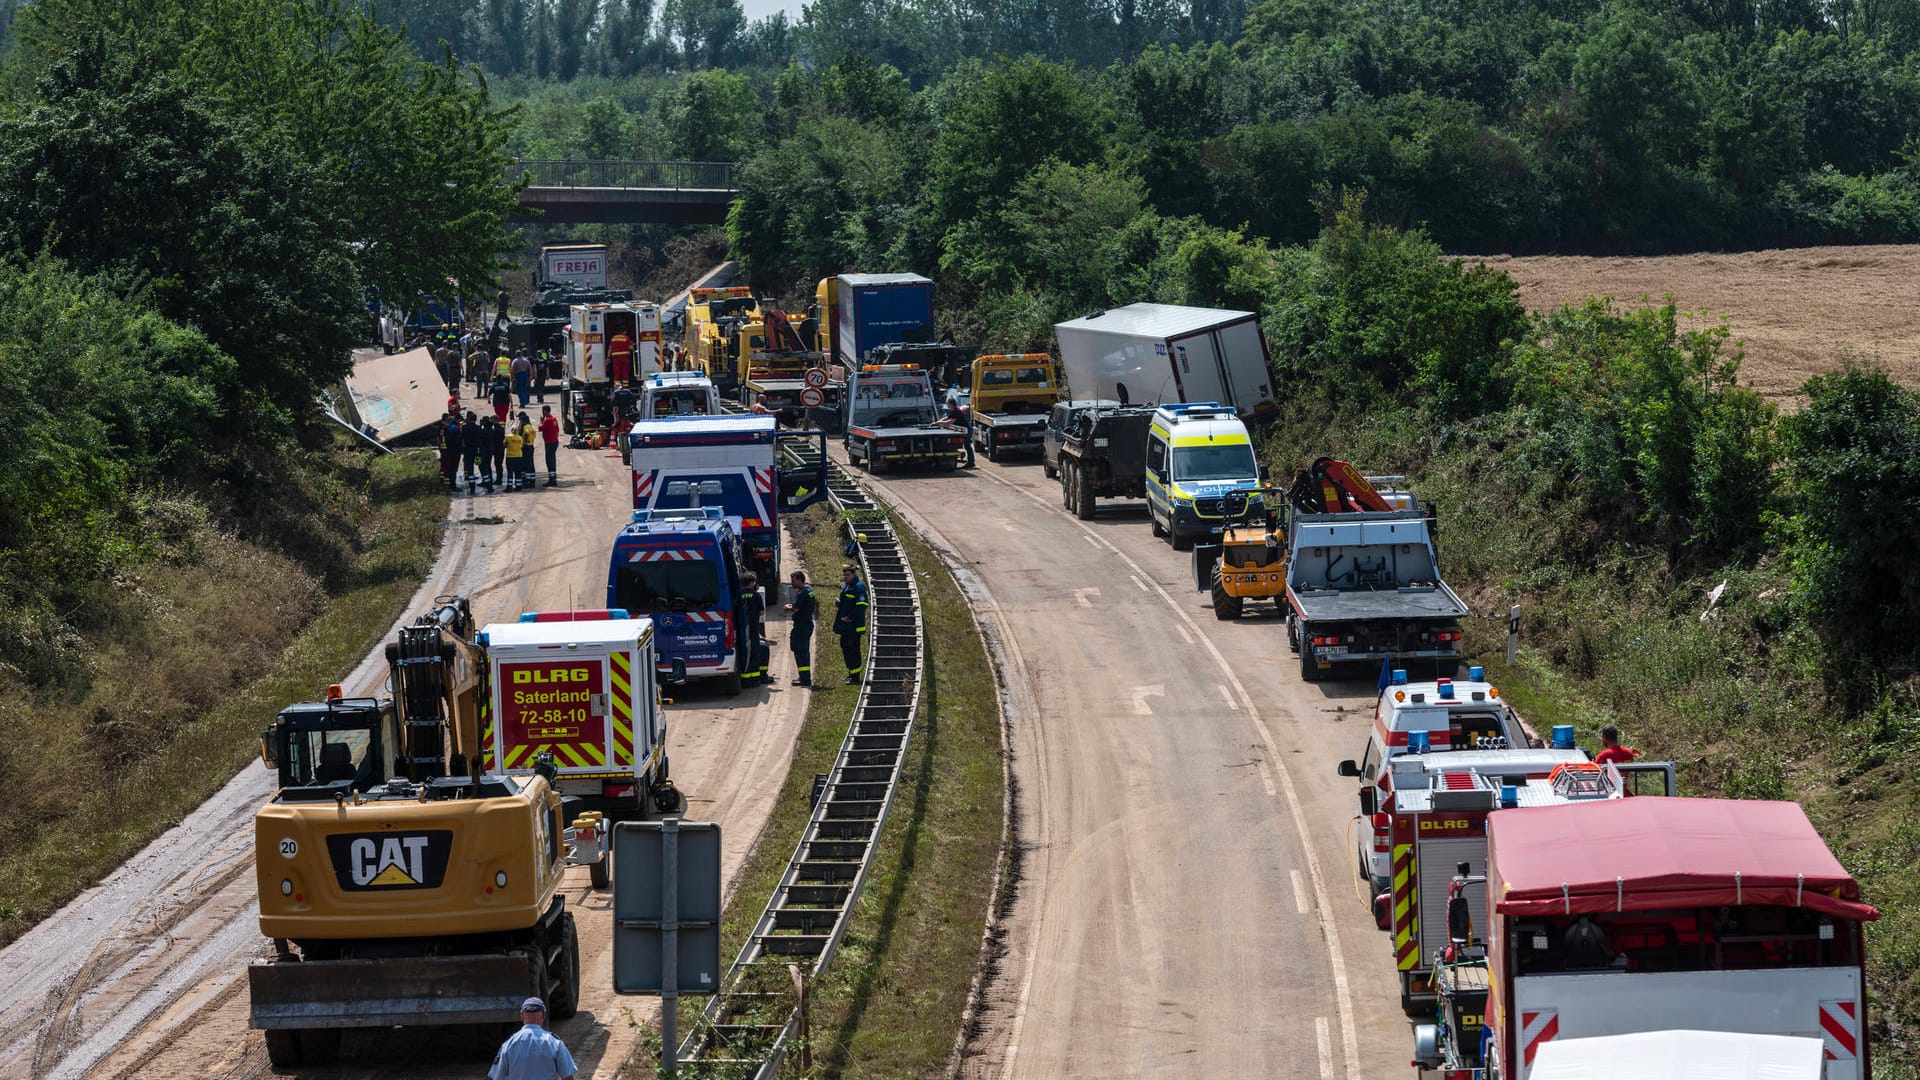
x=957 y=418
x=527 y=433
x=521 y=369
x=450 y=444
x=477 y=371
x=502 y=398
x=550 y=439
x=533 y=1052
x=502 y=367
x=850 y=622
x=620 y=359
x=1610 y=749
x=473 y=442
x=753 y=626
x=510 y=450
x=496 y=453
x=800 y=637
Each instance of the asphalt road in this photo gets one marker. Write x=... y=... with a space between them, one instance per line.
x=1187 y=904
x=144 y=975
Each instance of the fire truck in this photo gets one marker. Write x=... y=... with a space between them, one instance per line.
x=1438 y=828
x=1624 y=916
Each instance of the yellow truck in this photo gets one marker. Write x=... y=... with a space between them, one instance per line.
x=1011 y=396
x=723 y=327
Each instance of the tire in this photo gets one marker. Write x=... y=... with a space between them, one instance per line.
x=1051 y=471
x=1414 y=1010
x=1085 y=502
x=566 y=422
x=283 y=1047
x=730 y=686
x=564 y=1002
x=993 y=451
x=600 y=874
x=1159 y=531
x=1066 y=483
x=1309 y=670
x=1180 y=541
x=1226 y=607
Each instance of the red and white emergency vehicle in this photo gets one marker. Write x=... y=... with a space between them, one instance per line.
x=582 y=687
x=1438 y=824
x=592 y=332
x=1632 y=915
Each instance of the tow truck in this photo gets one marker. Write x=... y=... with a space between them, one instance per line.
x=1363 y=574
x=1008 y=405
x=788 y=379
x=1620 y=916
x=892 y=420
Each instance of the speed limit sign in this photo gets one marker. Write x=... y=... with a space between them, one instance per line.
x=811 y=397
x=816 y=378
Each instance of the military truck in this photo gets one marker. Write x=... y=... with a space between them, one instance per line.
x=1103 y=454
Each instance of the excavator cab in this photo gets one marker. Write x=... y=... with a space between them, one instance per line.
x=339 y=746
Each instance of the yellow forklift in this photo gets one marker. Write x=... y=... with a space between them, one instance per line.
x=1249 y=561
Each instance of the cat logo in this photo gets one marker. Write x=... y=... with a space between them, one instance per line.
x=390 y=860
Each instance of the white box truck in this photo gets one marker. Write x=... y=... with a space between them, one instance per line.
x=1163 y=354
x=581 y=686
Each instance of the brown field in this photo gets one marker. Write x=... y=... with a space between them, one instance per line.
x=1797 y=312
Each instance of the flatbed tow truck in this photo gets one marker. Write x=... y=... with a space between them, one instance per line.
x=892 y=420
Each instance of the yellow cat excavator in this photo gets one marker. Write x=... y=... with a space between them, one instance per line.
x=401 y=885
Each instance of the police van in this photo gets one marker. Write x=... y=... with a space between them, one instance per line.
x=1197 y=454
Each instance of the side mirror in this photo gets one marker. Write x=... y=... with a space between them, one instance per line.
x=1349 y=768
x=1369 y=802
x=1266 y=473
x=269 y=750
x=677 y=672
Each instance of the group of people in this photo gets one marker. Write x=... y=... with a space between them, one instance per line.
x=490 y=451
x=849 y=623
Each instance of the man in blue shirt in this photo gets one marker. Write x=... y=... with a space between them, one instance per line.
x=533 y=1052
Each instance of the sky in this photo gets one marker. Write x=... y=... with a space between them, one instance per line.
x=757 y=9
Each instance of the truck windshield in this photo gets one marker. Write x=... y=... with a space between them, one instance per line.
x=677 y=403
x=1231 y=461
x=686 y=585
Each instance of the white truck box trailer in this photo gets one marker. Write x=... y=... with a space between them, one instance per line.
x=1162 y=354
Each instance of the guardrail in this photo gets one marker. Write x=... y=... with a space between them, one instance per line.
x=757 y=1017
x=588 y=173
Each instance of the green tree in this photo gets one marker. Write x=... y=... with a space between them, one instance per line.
x=710 y=115
x=707 y=32
x=999 y=124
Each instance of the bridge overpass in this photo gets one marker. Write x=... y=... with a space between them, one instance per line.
x=667 y=192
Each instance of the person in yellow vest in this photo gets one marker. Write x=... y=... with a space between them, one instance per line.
x=513 y=449
x=503 y=367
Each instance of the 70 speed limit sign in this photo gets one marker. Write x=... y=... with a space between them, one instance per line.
x=816 y=378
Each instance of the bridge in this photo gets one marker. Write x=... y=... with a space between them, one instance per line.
x=668 y=192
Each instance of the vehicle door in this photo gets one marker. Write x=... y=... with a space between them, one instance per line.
x=1157 y=498
x=800 y=468
x=1648 y=778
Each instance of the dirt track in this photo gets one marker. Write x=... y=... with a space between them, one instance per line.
x=1799 y=311
x=143 y=976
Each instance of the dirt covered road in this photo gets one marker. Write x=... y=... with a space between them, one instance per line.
x=143 y=976
x=1799 y=311
x=1186 y=902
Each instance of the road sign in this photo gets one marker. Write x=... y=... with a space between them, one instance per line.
x=812 y=398
x=816 y=377
x=666 y=916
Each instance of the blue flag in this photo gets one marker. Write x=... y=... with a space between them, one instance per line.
x=1386 y=672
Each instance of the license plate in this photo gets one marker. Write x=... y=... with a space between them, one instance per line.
x=1331 y=650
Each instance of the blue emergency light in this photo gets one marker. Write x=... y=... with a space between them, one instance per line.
x=1417 y=742
x=1476 y=673
x=1446 y=689
x=1509 y=796
x=1399 y=676
x=1563 y=736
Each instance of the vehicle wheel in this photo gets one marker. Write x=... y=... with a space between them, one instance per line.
x=283 y=1047
x=1413 y=1009
x=319 y=1046
x=730 y=686
x=600 y=874
x=1309 y=670
x=566 y=423
x=1180 y=541
x=1225 y=606
x=565 y=1000
x=1048 y=469
x=865 y=463
x=1066 y=484
x=667 y=799
x=1159 y=531
x=993 y=451
x=1293 y=632
x=1085 y=502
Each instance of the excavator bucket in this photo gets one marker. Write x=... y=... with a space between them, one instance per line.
x=398 y=992
x=1205 y=558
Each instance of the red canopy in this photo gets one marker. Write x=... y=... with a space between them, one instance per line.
x=1649 y=853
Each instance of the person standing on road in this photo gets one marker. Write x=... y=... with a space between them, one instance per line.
x=526 y=451
x=522 y=371
x=502 y=399
x=752 y=611
x=800 y=637
x=512 y=451
x=496 y=454
x=533 y=1052
x=550 y=438
x=620 y=359
x=450 y=445
x=850 y=622
x=957 y=418
x=477 y=370
x=1611 y=752
x=473 y=443
x=540 y=366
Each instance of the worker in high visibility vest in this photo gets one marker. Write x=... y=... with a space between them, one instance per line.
x=620 y=359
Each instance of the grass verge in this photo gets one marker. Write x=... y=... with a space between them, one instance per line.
x=896 y=993
x=311 y=639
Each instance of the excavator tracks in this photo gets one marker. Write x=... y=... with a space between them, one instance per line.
x=754 y=1021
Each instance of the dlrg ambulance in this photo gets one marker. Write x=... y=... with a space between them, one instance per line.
x=581 y=686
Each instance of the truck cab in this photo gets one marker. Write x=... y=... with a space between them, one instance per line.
x=667 y=394
x=893 y=419
x=1064 y=415
x=743 y=467
x=1196 y=455
x=717 y=321
x=1010 y=398
x=683 y=570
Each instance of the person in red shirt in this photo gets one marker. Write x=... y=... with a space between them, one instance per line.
x=1610 y=749
x=620 y=359
x=550 y=436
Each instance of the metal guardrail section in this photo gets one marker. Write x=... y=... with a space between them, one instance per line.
x=749 y=1027
x=587 y=173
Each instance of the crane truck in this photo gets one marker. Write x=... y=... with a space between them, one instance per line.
x=1619 y=916
x=409 y=866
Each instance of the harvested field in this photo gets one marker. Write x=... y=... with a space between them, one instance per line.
x=1798 y=311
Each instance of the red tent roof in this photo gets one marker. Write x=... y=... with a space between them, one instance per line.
x=1647 y=853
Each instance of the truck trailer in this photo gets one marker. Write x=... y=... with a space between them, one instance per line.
x=581 y=265
x=1163 y=354
x=879 y=309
